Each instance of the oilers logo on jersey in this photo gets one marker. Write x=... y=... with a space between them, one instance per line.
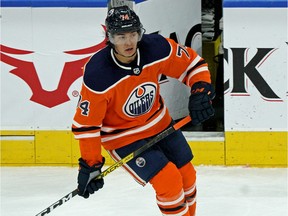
x=140 y=100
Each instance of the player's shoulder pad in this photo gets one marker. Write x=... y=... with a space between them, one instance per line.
x=154 y=47
x=99 y=73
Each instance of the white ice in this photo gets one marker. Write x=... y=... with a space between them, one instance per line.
x=222 y=191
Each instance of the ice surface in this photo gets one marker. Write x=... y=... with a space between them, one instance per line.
x=222 y=191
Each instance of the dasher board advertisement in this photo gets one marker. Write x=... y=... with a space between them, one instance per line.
x=255 y=65
x=44 y=46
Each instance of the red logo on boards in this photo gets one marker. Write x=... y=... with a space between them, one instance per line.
x=26 y=71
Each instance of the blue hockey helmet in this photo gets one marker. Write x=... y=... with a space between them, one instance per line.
x=123 y=19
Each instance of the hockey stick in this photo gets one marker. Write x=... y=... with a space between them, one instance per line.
x=124 y=160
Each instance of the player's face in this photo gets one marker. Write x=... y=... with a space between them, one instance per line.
x=125 y=38
x=126 y=43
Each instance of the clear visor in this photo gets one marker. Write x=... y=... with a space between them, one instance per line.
x=125 y=38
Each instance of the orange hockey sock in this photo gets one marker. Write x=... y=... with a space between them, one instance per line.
x=189 y=185
x=169 y=191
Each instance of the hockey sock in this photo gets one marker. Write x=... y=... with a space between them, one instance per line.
x=169 y=191
x=189 y=184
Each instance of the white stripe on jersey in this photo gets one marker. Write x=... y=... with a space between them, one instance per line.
x=87 y=135
x=193 y=63
x=140 y=129
x=79 y=125
x=198 y=70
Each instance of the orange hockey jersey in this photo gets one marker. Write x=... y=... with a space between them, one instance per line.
x=120 y=103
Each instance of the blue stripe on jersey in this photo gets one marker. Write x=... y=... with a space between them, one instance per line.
x=57 y=3
x=255 y=3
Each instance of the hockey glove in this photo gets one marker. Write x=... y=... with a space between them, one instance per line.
x=200 y=102
x=87 y=184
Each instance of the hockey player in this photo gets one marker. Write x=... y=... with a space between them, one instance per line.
x=120 y=108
